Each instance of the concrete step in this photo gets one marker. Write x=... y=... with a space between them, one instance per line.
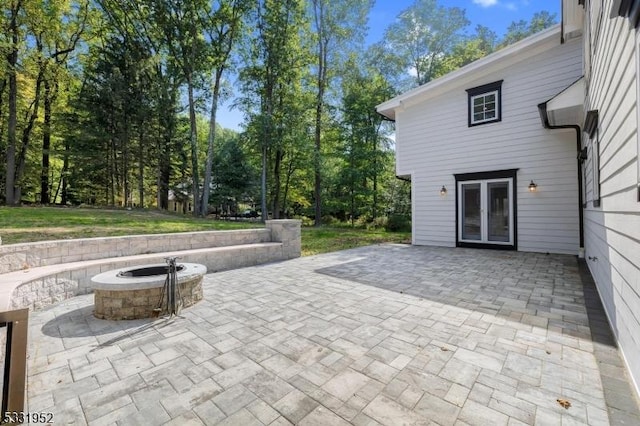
x=14 y=257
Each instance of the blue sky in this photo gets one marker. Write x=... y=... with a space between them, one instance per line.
x=495 y=14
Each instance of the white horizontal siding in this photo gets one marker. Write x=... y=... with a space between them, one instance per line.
x=434 y=142
x=612 y=231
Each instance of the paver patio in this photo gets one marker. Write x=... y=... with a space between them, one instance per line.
x=390 y=335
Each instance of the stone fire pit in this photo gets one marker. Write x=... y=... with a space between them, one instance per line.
x=136 y=292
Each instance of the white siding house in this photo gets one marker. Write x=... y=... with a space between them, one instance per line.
x=535 y=148
x=612 y=211
x=435 y=142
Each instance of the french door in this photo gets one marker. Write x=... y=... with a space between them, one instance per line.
x=486 y=211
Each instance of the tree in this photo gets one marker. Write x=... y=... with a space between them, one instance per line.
x=467 y=50
x=521 y=29
x=181 y=23
x=422 y=35
x=11 y=197
x=223 y=29
x=236 y=177
x=134 y=21
x=364 y=136
x=271 y=83
x=65 y=24
x=336 y=25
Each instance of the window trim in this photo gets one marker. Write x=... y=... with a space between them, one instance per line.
x=591 y=127
x=490 y=175
x=484 y=90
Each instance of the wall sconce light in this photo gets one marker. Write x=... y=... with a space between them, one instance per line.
x=443 y=191
x=533 y=187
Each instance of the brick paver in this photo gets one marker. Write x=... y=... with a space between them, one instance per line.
x=383 y=335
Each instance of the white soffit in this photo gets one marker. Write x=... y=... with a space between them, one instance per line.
x=567 y=107
x=572 y=19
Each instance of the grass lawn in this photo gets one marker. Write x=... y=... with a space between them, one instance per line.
x=28 y=224
x=324 y=240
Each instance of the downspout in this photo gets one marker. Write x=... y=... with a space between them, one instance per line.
x=542 y=108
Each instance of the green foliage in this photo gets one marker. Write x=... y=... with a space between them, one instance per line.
x=235 y=179
x=274 y=99
x=518 y=30
x=422 y=34
x=428 y=40
x=398 y=223
x=364 y=145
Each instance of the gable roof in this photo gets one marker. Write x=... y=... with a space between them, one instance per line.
x=491 y=63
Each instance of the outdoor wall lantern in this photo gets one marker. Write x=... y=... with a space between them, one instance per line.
x=533 y=187
x=443 y=191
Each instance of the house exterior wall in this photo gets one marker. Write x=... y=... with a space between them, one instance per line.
x=612 y=230
x=435 y=142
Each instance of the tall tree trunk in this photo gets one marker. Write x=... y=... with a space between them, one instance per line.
x=3 y=85
x=276 y=183
x=375 y=178
x=211 y=143
x=126 y=190
x=167 y=117
x=164 y=174
x=287 y=182
x=12 y=60
x=318 y=135
x=64 y=197
x=46 y=144
x=194 y=148
x=321 y=82
x=263 y=182
x=352 y=181
x=141 y=165
x=115 y=179
x=317 y=174
x=26 y=132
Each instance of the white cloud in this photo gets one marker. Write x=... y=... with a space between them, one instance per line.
x=486 y=3
x=511 y=6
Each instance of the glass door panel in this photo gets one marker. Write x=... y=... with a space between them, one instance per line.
x=471 y=211
x=498 y=211
x=485 y=211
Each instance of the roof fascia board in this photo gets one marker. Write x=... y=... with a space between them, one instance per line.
x=519 y=51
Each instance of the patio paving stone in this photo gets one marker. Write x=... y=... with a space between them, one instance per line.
x=382 y=335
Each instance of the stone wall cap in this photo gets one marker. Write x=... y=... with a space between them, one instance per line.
x=111 y=281
x=283 y=221
x=10 y=248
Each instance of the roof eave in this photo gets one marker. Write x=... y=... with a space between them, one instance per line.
x=526 y=47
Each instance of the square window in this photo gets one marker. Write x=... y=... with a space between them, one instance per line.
x=485 y=104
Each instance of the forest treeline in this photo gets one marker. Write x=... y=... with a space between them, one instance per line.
x=114 y=102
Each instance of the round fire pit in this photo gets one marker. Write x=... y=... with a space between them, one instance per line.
x=137 y=292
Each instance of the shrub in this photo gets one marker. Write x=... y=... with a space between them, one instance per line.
x=306 y=221
x=380 y=222
x=330 y=220
x=399 y=223
x=362 y=222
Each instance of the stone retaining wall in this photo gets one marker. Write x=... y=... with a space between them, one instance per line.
x=24 y=284
x=15 y=257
